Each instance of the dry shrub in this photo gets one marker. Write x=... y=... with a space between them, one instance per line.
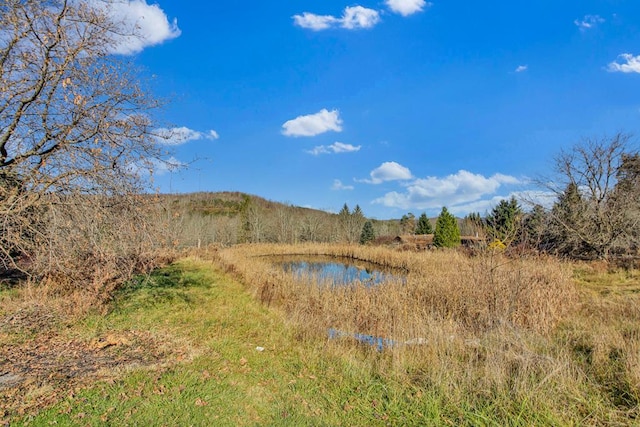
x=87 y=246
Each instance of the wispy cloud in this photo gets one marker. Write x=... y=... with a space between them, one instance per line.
x=388 y=171
x=335 y=148
x=459 y=189
x=629 y=64
x=521 y=68
x=353 y=18
x=181 y=135
x=142 y=25
x=315 y=22
x=588 y=22
x=407 y=7
x=313 y=124
x=155 y=166
x=339 y=186
x=526 y=198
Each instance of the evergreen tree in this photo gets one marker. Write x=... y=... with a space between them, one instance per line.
x=504 y=221
x=367 y=234
x=447 y=233
x=424 y=225
x=567 y=222
x=344 y=212
x=356 y=223
x=534 y=226
x=357 y=212
x=351 y=223
x=344 y=219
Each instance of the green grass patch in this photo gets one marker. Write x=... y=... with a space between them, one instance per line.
x=234 y=362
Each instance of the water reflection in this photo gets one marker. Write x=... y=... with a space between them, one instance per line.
x=337 y=272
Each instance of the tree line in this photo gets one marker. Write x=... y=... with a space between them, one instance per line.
x=78 y=148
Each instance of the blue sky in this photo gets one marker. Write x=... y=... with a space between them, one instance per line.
x=396 y=105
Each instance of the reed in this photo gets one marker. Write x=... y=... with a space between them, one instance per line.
x=484 y=328
x=475 y=293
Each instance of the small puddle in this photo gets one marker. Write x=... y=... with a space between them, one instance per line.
x=379 y=343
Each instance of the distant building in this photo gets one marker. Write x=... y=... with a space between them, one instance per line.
x=421 y=241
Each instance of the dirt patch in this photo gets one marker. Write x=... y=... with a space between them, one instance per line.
x=47 y=367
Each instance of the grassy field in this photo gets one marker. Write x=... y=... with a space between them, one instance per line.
x=224 y=339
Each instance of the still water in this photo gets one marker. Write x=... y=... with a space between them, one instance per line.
x=336 y=271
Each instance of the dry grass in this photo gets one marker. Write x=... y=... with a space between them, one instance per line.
x=488 y=326
x=474 y=293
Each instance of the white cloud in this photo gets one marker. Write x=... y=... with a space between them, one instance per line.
x=388 y=171
x=147 y=22
x=336 y=147
x=359 y=17
x=315 y=22
x=181 y=135
x=353 y=18
x=526 y=199
x=521 y=68
x=630 y=64
x=454 y=190
x=313 y=124
x=339 y=147
x=588 y=22
x=407 y=7
x=338 y=185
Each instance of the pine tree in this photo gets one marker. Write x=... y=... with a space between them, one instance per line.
x=351 y=223
x=424 y=225
x=505 y=221
x=447 y=233
x=534 y=226
x=367 y=234
x=567 y=223
x=344 y=219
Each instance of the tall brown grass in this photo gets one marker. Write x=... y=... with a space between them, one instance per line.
x=488 y=326
x=475 y=293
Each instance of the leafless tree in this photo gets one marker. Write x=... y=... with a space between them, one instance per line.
x=75 y=126
x=594 y=214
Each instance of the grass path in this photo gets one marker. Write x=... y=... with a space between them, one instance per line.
x=190 y=346
x=220 y=376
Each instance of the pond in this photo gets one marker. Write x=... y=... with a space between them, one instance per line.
x=336 y=271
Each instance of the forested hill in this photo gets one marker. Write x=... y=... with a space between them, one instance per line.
x=234 y=217
x=230 y=203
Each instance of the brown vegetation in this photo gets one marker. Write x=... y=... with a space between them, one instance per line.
x=76 y=147
x=483 y=325
x=477 y=293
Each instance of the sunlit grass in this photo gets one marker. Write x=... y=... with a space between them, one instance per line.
x=240 y=355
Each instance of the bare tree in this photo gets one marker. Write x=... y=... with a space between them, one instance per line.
x=284 y=224
x=256 y=225
x=313 y=228
x=594 y=215
x=75 y=124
